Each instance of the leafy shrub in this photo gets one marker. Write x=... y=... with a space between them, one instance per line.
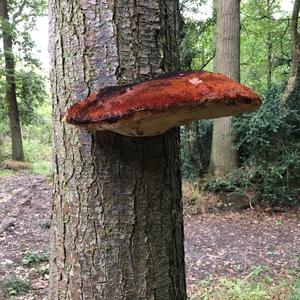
x=15 y=286
x=31 y=94
x=34 y=258
x=258 y=132
x=269 y=149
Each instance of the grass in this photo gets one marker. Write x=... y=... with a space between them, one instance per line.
x=15 y=286
x=36 y=155
x=37 y=141
x=255 y=286
x=34 y=258
x=196 y=201
x=5 y=172
x=43 y=270
x=296 y=290
x=42 y=168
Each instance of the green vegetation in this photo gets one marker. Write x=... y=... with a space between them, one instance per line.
x=37 y=141
x=265 y=45
x=28 y=99
x=4 y=173
x=270 y=155
x=254 y=286
x=46 y=224
x=267 y=140
x=15 y=286
x=43 y=270
x=34 y=258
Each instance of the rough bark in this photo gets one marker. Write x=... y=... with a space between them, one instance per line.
x=11 y=97
x=117 y=229
x=224 y=158
x=292 y=92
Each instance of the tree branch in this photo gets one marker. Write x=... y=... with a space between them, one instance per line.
x=208 y=61
x=19 y=11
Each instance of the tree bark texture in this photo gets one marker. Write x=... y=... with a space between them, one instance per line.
x=292 y=91
x=11 y=97
x=117 y=230
x=224 y=158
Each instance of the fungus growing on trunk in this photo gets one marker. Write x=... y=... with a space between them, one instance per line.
x=152 y=107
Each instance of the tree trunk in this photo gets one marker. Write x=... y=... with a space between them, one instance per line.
x=117 y=230
x=269 y=61
x=195 y=147
x=292 y=91
x=269 y=45
x=13 y=111
x=224 y=158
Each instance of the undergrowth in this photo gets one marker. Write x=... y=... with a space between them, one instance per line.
x=15 y=286
x=34 y=258
x=269 y=150
x=37 y=141
x=4 y=173
x=254 y=286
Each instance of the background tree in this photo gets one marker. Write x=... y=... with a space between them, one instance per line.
x=265 y=45
x=11 y=97
x=224 y=158
x=267 y=140
x=196 y=53
x=117 y=229
x=292 y=91
x=18 y=18
x=265 y=60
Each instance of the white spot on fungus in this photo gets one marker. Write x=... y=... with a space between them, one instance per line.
x=195 y=80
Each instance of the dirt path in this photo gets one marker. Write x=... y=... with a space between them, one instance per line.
x=24 y=229
x=228 y=244
x=233 y=244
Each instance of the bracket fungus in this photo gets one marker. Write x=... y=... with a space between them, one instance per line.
x=152 y=107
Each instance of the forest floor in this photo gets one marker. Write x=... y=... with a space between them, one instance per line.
x=230 y=244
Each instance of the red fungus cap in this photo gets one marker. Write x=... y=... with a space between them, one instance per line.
x=152 y=107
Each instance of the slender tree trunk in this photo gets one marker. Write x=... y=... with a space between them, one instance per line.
x=224 y=158
x=195 y=148
x=270 y=49
x=292 y=92
x=13 y=111
x=269 y=61
x=117 y=230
